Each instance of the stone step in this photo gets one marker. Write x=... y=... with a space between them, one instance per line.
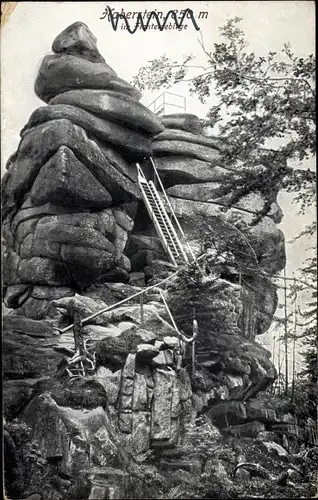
x=192 y=466
x=170 y=453
x=107 y=482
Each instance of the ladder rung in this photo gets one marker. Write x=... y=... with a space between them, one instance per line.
x=162 y=218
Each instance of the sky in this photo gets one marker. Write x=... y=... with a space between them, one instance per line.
x=32 y=27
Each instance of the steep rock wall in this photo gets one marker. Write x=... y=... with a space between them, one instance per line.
x=69 y=193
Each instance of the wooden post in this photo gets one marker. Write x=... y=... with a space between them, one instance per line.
x=286 y=332
x=193 y=358
x=77 y=332
x=294 y=343
x=194 y=335
x=141 y=301
x=279 y=365
x=77 y=327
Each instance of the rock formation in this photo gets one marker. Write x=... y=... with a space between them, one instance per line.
x=78 y=238
x=190 y=166
x=70 y=193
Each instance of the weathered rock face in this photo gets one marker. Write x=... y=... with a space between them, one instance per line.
x=139 y=397
x=190 y=166
x=70 y=191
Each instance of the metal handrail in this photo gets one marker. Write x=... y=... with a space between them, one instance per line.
x=113 y=306
x=183 y=337
x=165 y=102
x=121 y=302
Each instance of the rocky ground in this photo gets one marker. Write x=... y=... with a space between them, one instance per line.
x=138 y=412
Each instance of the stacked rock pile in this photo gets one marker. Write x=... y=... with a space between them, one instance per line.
x=70 y=192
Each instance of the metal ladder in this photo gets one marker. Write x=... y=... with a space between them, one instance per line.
x=161 y=220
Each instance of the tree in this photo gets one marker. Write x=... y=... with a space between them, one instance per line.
x=265 y=112
x=265 y=115
x=307 y=333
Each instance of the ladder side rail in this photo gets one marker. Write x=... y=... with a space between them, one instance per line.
x=168 y=221
x=141 y=175
x=164 y=216
x=157 y=225
x=165 y=219
x=142 y=180
x=173 y=236
x=170 y=207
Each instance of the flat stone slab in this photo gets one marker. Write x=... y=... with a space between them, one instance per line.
x=180 y=135
x=187 y=170
x=128 y=141
x=27 y=326
x=183 y=148
x=183 y=121
x=113 y=106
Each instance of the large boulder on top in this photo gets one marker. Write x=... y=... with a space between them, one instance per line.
x=183 y=121
x=79 y=40
x=60 y=73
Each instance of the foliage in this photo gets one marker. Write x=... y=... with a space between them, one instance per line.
x=30 y=462
x=74 y=393
x=301 y=327
x=205 y=296
x=308 y=317
x=229 y=245
x=265 y=111
x=174 y=492
x=204 y=440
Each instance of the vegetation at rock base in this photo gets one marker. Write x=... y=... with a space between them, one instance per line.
x=205 y=296
x=26 y=460
x=77 y=393
x=217 y=476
